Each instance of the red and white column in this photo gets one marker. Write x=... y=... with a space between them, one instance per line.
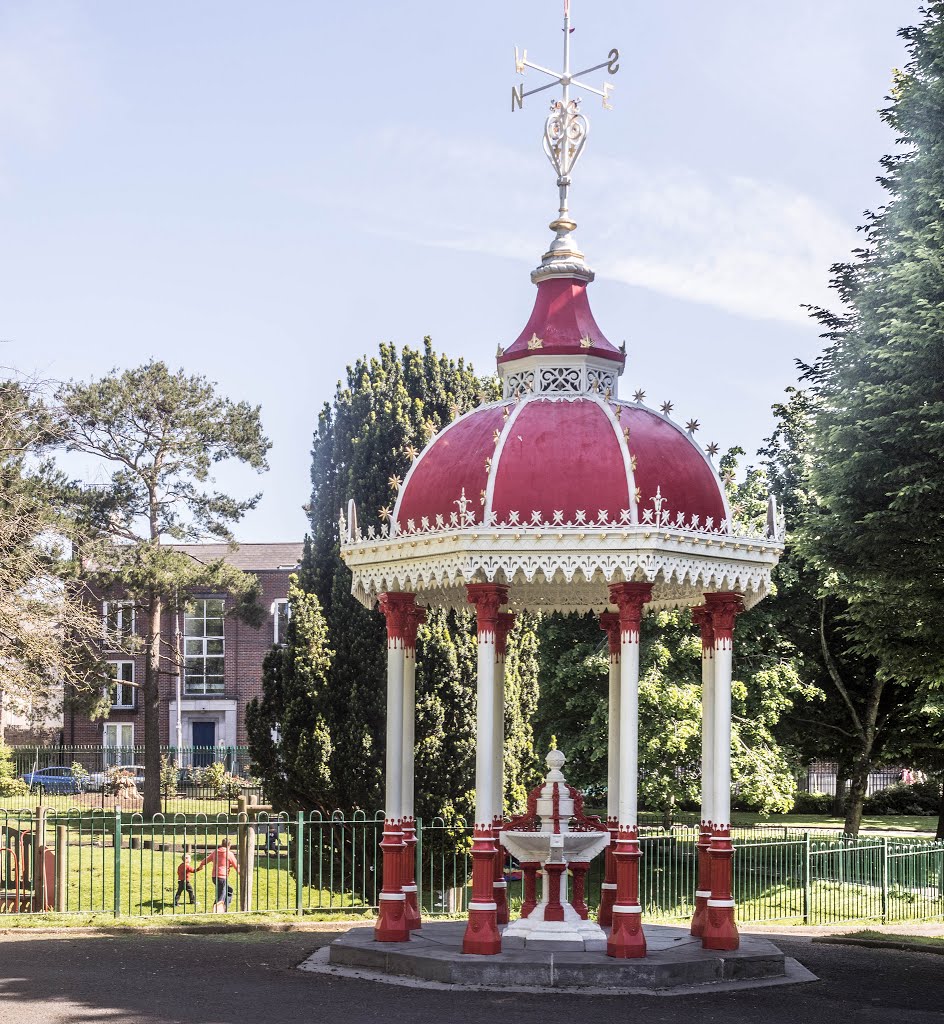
x=506 y=621
x=413 y=616
x=627 y=940
x=610 y=623
x=701 y=616
x=720 y=930
x=392 y=924
x=481 y=934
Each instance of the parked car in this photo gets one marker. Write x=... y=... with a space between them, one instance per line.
x=56 y=779
x=98 y=780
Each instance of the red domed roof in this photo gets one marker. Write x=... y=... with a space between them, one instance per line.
x=572 y=459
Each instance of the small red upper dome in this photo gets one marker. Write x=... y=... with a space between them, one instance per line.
x=561 y=323
x=569 y=459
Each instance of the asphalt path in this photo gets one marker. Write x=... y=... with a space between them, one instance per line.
x=252 y=977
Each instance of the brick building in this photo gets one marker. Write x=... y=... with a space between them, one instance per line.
x=221 y=664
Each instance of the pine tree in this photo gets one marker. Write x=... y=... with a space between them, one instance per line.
x=879 y=393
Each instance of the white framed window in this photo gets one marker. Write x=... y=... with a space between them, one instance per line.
x=204 y=646
x=281 y=613
x=117 y=621
x=123 y=689
x=119 y=743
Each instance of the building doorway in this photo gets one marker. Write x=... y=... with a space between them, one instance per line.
x=204 y=740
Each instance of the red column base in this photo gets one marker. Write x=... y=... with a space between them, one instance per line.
x=627 y=940
x=499 y=885
x=481 y=933
x=391 y=917
x=720 y=931
x=607 y=899
x=414 y=919
x=698 y=918
x=391 y=920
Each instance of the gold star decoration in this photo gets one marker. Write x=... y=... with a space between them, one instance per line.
x=617 y=411
x=692 y=426
x=667 y=407
x=453 y=411
x=535 y=342
x=632 y=463
x=626 y=434
x=488 y=465
x=496 y=435
x=411 y=452
x=482 y=397
x=586 y=342
x=712 y=449
x=385 y=513
x=729 y=477
x=639 y=395
x=482 y=498
x=500 y=352
x=638 y=495
x=430 y=428
x=395 y=482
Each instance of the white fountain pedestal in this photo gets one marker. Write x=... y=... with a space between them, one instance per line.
x=554 y=845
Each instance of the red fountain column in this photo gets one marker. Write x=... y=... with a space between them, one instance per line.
x=702 y=618
x=481 y=934
x=610 y=623
x=413 y=616
x=506 y=621
x=392 y=923
x=720 y=930
x=578 y=898
x=627 y=940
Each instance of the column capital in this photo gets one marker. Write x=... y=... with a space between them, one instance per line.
x=503 y=626
x=610 y=624
x=403 y=616
x=723 y=607
x=487 y=598
x=701 y=616
x=630 y=598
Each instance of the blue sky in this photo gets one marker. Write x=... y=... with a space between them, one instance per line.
x=263 y=192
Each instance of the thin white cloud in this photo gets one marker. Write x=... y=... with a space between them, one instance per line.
x=758 y=249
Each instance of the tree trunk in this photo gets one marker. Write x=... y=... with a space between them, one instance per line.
x=839 y=799
x=858 y=784
x=940 y=810
x=151 y=697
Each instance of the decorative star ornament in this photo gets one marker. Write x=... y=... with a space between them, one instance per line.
x=712 y=449
x=411 y=452
x=667 y=407
x=639 y=395
x=395 y=482
x=500 y=352
x=430 y=428
x=534 y=342
x=385 y=513
x=692 y=426
x=586 y=341
x=728 y=477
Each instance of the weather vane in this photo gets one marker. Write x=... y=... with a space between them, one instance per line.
x=566 y=129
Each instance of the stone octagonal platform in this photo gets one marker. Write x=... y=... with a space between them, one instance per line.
x=676 y=960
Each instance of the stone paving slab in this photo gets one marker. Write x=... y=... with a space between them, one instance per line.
x=676 y=961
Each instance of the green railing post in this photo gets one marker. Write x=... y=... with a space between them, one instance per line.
x=807 y=877
x=299 y=864
x=884 y=879
x=419 y=865
x=117 y=860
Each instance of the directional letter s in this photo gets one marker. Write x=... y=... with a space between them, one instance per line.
x=613 y=65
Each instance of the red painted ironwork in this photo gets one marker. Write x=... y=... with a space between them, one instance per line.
x=720 y=931
x=481 y=933
x=627 y=941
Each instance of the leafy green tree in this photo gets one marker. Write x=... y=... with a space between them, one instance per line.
x=877 y=536
x=48 y=636
x=155 y=437
x=854 y=710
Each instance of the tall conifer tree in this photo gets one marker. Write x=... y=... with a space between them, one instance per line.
x=879 y=393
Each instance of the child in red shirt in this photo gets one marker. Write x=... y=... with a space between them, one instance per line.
x=223 y=862
x=184 y=871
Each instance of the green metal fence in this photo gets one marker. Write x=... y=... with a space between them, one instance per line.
x=111 y=862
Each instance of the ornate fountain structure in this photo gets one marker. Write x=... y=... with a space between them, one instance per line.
x=553 y=835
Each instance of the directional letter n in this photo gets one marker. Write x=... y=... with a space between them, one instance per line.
x=517 y=97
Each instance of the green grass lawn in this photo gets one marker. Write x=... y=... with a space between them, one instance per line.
x=935 y=941
x=873 y=823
